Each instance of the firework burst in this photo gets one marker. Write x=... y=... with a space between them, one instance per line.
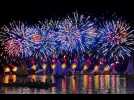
x=17 y=42
x=75 y=34
x=49 y=45
x=116 y=39
x=13 y=47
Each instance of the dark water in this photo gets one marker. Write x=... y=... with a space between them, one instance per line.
x=79 y=84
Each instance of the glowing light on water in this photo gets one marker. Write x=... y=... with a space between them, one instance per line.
x=63 y=66
x=53 y=90
x=96 y=82
x=34 y=67
x=7 y=69
x=53 y=66
x=33 y=78
x=14 y=69
x=64 y=85
x=107 y=81
x=43 y=78
x=96 y=68
x=113 y=85
x=90 y=84
x=74 y=66
x=107 y=68
x=117 y=62
x=101 y=82
x=74 y=84
x=6 y=79
x=85 y=67
x=86 y=82
x=14 y=78
x=44 y=66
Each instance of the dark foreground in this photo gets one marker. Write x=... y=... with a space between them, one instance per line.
x=79 y=84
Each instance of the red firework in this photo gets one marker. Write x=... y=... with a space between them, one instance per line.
x=13 y=47
x=36 y=38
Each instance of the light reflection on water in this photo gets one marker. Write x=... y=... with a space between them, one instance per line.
x=78 y=84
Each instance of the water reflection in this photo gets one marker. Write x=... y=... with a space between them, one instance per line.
x=6 y=79
x=33 y=78
x=43 y=78
x=53 y=90
x=107 y=83
x=9 y=79
x=90 y=84
x=102 y=85
x=85 y=83
x=64 y=86
x=96 y=82
x=76 y=84
x=113 y=83
x=118 y=85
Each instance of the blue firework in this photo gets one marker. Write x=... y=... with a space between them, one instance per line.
x=17 y=31
x=116 y=39
x=75 y=34
x=49 y=45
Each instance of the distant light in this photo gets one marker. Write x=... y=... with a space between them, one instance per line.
x=64 y=56
x=112 y=64
x=34 y=67
x=85 y=67
x=14 y=78
x=101 y=62
x=53 y=66
x=96 y=68
x=14 y=69
x=44 y=66
x=74 y=66
x=7 y=69
x=107 y=68
x=63 y=66
x=117 y=62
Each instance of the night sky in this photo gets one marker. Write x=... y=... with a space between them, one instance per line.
x=33 y=10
